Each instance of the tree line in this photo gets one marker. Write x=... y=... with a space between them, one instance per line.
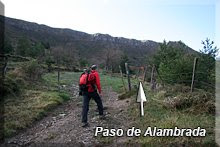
x=172 y=63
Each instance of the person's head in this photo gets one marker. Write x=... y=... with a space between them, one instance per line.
x=85 y=70
x=93 y=67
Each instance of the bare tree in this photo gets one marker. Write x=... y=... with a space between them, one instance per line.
x=112 y=58
x=65 y=55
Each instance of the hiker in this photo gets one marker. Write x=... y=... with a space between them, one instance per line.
x=89 y=84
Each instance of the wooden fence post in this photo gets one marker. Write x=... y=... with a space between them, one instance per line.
x=128 y=75
x=138 y=73
x=152 y=81
x=193 y=75
x=5 y=67
x=58 y=75
x=122 y=78
x=111 y=70
x=145 y=72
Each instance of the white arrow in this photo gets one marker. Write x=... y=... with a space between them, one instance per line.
x=141 y=98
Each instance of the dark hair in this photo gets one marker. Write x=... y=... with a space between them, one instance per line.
x=93 y=67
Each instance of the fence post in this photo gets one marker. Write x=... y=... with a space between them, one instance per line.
x=5 y=67
x=193 y=75
x=128 y=75
x=152 y=81
x=58 y=74
x=145 y=72
x=122 y=78
x=137 y=74
x=111 y=70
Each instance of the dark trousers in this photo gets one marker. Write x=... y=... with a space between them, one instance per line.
x=86 y=98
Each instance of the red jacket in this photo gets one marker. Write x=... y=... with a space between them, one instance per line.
x=95 y=82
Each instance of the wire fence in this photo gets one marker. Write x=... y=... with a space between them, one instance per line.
x=154 y=78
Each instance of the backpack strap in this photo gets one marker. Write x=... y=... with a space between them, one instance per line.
x=87 y=78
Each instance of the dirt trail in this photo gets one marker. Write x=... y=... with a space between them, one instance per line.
x=63 y=124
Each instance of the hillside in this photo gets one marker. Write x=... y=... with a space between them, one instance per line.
x=39 y=88
x=92 y=47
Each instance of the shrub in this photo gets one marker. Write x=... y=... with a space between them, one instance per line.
x=64 y=96
x=33 y=70
x=195 y=102
x=9 y=86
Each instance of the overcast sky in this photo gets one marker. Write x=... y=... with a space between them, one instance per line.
x=188 y=20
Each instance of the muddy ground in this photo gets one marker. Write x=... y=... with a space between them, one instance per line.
x=62 y=126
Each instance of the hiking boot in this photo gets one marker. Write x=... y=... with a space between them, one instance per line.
x=104 y=108
x=85 y=125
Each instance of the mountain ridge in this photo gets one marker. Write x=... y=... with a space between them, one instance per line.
x=96 y=36
x=81 y=43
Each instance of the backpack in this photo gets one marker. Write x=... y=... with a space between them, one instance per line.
x=85 y=80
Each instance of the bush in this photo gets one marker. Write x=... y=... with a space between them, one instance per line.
x=64 y=96
x=9 y=86
x=33 y=70
x=196 y=102
x=13 y=82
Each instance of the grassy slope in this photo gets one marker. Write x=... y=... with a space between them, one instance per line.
x=33 y=104
x=34 y=101
x=37 y=98
x=161 y=117
x=116 y=82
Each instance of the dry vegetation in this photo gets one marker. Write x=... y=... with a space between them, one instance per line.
x=28 y=97
x=176 y=106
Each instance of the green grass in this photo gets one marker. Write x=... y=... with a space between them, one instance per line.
x=33 y=102
x=66 y=78
x=39 y=97
x=157 y=115
x=128 y=94
x=116 y=82
x=32 y=105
